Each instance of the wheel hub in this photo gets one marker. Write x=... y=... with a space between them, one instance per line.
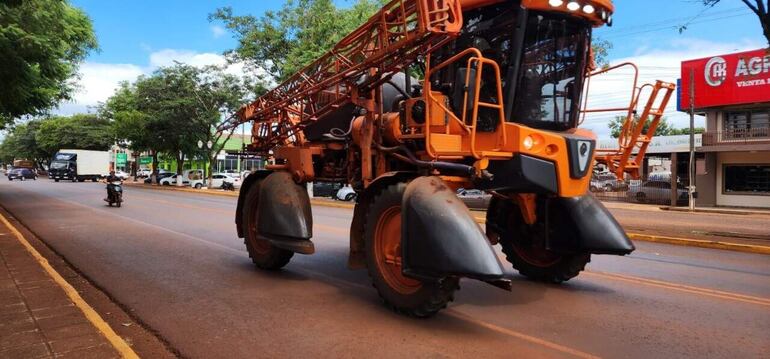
x=387 y=249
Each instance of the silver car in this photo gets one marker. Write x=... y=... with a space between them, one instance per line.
x=474 y=198
x=656 y=191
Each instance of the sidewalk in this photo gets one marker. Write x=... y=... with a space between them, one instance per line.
x=41 y=316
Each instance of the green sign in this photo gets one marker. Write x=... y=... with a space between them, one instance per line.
x=145 y=160
x=121 y=159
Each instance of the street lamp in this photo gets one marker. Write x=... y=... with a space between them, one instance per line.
x=209 y=144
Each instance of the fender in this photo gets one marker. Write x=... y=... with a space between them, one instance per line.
x=591 y=227
x=250 y=180
x=357 y=255
x=440 y=238
x=284 y=214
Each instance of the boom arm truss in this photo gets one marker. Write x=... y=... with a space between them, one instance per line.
x=387 y=43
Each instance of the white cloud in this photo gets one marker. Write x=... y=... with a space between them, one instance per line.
x=167 y=57
x=613 y=89
x=217 y=31
x=98 y=81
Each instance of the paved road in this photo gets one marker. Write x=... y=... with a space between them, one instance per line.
x=174 y=259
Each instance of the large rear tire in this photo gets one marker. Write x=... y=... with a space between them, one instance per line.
x=382 y=234
x=263 y=254
x=524 y=245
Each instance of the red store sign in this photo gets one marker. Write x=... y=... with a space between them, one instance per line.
x=723 y=80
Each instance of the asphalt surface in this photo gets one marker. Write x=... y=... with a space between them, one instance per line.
x=174 y=259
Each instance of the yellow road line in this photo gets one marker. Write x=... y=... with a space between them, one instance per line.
x=464 y=317
x=522 y=336
x=683 y=288
x=117 y=342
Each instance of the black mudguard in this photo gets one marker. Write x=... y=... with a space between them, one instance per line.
x=440 y=238
x=584 y=225
x=284 y=214
x=251 y=180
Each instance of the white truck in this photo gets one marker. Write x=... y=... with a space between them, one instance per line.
x=79 y=165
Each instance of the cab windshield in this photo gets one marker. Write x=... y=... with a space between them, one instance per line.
x=542 y=65
x=551 y=72
x=58 y=165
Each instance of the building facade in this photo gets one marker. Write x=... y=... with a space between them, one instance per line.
x=733 y=92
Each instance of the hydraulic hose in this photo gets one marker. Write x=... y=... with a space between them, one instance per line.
x=439 y=165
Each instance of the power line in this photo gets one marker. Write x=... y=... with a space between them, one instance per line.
x=671 y=27
x=623 y=29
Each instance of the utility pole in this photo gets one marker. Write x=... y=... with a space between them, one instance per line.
x=691 y=187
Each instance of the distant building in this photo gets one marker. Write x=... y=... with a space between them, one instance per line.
x=733 y=92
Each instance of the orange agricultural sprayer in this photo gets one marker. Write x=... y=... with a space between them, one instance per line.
x=495 y=107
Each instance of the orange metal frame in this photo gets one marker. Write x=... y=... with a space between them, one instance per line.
x=632 y=135
x=363 y=60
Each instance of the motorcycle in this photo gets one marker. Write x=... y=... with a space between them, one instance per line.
x=114 y=193
x=228 y=186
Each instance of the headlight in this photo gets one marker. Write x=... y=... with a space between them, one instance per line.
x=573 y=5
x=528 y=143
x=588 y=9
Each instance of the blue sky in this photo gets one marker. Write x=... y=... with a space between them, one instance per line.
x=137 y=36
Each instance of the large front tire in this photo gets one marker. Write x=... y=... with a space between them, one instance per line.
x=524 y=245
x=382 y=234
x=263 y=254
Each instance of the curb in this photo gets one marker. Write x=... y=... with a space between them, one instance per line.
x=737 y=247
x=701 y=243
x=737 y=212
x=91 y=315
x=183 y=189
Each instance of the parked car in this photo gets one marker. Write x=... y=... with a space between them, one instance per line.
x=346 y=193
x=192 y=178
x=325 y=189
x=172 y=180
x=474 y=198
x=607 y=182
x=218 y=179
x=21 y=174
x=161 y=175
x=143 y=172
x=122 y=175
x=656 y=191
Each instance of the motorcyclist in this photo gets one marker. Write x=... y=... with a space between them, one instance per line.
x=109 y=179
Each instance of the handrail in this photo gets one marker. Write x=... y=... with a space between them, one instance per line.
x=472 y=128
x=634 y=90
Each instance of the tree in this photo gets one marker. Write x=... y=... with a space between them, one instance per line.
x=130 y=124
x=686 y=131
x=762 y=10
x=601 y=49
x=80 y=131
x=41 y=44
x=41 y=138
x=21 y=143
x=166 y=99
x=222 y=94
x=616 y=125
x=283 y=42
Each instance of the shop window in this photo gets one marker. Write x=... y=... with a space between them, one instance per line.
x=745 y=124
x=746 y=179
